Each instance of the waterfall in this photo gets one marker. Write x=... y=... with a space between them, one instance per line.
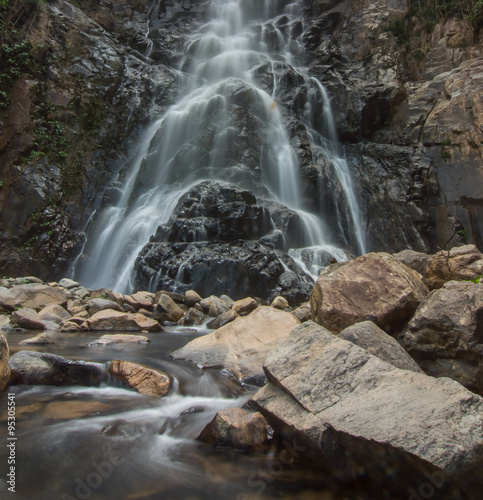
x=246 y=83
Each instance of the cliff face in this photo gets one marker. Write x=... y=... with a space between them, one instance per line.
x=79 y=89
x=407 y=96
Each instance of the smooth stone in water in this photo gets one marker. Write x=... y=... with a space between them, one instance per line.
x=144 y=380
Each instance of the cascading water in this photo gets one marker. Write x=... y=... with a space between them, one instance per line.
x=247 y=103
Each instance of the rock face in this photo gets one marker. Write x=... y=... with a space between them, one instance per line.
x=377 y=342
x=342 y=403
x=31 y=367
x=241 y=346
x=446 y=332
x=65 y=130
x=373 y=287
x=4 y=367
x=212 y=245
x=144 y=380
x=459 y=263
x=236 y=428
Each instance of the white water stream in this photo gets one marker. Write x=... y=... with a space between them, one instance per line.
x=225 y=105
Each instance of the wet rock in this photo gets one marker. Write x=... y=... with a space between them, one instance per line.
x=236 y=428
x=195 y=317
x=114 y=320
x=27 y=318
x=34 y=296
x=222 y=319
x=72 y=326
x=93 y=306
x=39 y=368
x=374 y=340
x=43 y=338
x=119 y=339
x=167 y=309
x=373 y=287
x=140 y=378
x=192 y=298
x=280 y=303
x=241 y=269
x=446 y=332
x=340 y=403
x=54 y=313
x=4 y=366
x=459 y=263
x=241 y=346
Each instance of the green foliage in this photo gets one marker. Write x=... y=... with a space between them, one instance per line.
x=433 y=11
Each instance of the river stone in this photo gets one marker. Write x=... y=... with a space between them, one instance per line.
x=168 y=310
x=236 y=428
x=43 y=338
x=360 y=416
x=374 y=287
x=459 y=263
x=376 y=341
x=303 y=312
x=142 y=379
x=192 y=298
x=33 y=295
x=27 y=318
x=4 y=367
x=280 y=303
x=214 y=306
x=241 y=346
x=140 y=300
x=222 y=319
x=195 y=317
x=445 y=334
x=119 y=338
x=93 y=306
x=114 y=320
x=54 y=313
x=40 y=368
x=245 y=306
x=68 y=283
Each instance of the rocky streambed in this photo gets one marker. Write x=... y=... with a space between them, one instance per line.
x=373 y=389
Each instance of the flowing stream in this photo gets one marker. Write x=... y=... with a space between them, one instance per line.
x=112 y=443
x=245 y=81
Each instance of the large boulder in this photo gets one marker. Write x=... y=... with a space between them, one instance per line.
x=374 y=340
x=31 y=295
x=445 y=334
x=4 y=367
x=241 y=346
x=359 y=416
x=109 y=320
x=39 y=368
x=144 y=380
x=459 y=263
x=374 y=287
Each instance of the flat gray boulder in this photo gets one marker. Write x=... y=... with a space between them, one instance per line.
x=360 y=416
x=371 y=338
x=241 y=346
